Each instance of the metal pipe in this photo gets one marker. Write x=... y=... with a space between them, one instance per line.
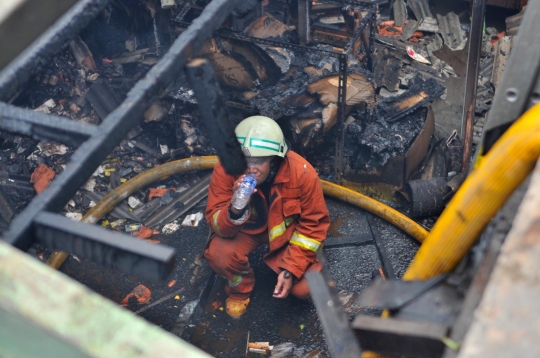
x=475 y=44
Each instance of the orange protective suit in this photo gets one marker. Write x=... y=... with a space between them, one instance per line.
x=294 y=225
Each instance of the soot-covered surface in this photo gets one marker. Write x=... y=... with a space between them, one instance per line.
x=292 y=325
x=115 y=285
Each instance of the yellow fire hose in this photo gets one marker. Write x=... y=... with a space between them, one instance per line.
x=112 y=199
x=483 y=193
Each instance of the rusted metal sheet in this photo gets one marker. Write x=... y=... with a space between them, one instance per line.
x=471 y=81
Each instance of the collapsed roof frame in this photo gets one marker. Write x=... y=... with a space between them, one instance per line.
x=39 y=221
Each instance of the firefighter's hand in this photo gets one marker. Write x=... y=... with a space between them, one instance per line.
x=236 y=185
x=284 y=284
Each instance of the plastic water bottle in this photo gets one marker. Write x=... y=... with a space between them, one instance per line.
x=243 y=193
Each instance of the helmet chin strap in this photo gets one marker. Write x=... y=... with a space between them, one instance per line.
x=274 y=166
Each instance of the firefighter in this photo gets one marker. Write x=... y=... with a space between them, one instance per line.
x=287 y=211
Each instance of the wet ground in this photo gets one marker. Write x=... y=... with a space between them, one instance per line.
x=290 y=325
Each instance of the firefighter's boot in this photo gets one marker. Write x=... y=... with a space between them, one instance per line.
x=236 y=308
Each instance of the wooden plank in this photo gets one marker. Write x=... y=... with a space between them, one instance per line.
x=69 y=319
x=22 y=21
x=507 y=320
x=399 y=337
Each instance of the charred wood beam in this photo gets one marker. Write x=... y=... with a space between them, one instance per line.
x=339 y=336
x=104 y=247
x=41 y=126
x=103 y=99
x=28 y=63
x=471 y=81
x=92 y=152
x=214 y=114
x=241 y=37
x=400 y=337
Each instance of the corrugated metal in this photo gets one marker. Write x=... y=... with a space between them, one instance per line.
x=450 y=28
x=420 y=9
x=400 y=12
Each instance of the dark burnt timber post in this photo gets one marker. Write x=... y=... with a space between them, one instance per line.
x=112 y=130
x=471 y=82
x=304 y=25
x=340 y=337
x=342 y=101
x=214 y=114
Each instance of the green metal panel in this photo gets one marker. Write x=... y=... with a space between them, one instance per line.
x=37 y=302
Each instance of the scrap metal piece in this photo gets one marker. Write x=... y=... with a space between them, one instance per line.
x=44 y=127
x=339 y=336
x=179 y=205
x=400 y=12
x=394 y=294
x=426 y=196
x=471 y=81
x=304 y=22
x=399 y=337
x=215 y=116
x=120 y=211
x=104 y=246
x=355 y=240
x=342 y=98
x=451 y=32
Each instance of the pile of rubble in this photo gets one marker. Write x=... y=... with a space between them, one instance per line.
x=393 y=74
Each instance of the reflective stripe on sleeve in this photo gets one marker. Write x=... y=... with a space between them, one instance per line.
x=277 y=230
x=305 y=242
x=215 y=222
